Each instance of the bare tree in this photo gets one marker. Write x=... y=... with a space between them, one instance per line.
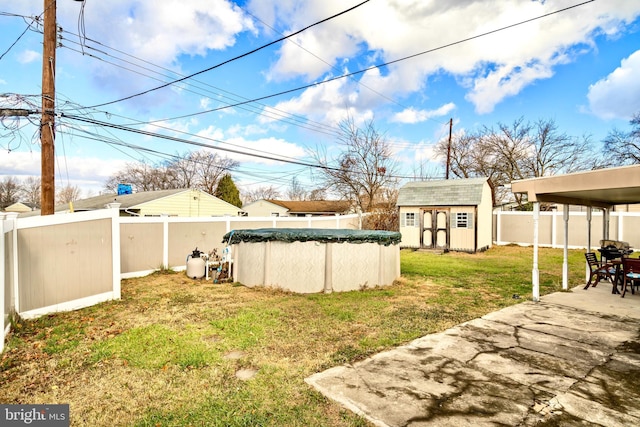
x=623 y=148
x=363 y=168
x=67 y=194
x=210 y=168
x=385 y=214
x=139 y=175
x=9 y=191
x=30 y=190
x=517 y=151
x=184 y=170
x=317 y=194
x=267 y=193
x=199 y=169
x=296 y=191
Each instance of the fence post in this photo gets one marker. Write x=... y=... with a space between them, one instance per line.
x=165 y=240
x=554 y=228
x=13 y=217
x=535 y=275
x=620 y=225
x=565 y=261
x=2 y=282
x=587 y=269
x=115 y=251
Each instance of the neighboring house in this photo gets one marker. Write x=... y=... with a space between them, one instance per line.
x=19 y=207
x=269 y=207
x=179 y=202
x=451 y=214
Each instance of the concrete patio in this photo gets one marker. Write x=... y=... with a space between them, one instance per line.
x=571 y=359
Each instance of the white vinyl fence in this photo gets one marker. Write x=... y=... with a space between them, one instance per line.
x=68 y=261
x=517 y=228
x=64 y=262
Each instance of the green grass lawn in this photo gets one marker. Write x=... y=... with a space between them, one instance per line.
x=168 y=352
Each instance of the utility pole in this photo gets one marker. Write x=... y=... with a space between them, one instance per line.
x=47 y=123
x=449 y=147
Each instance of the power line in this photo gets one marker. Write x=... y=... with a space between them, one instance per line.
x=234 y=58
x=355 y=73
x=185 y=141
x=200 y=144
x=125 y=126
x=18 y=39
x=114 y=142
x=268 y=112
x=332 y=66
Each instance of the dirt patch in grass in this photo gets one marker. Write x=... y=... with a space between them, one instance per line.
x=159 y=356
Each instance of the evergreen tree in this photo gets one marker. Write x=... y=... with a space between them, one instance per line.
x=227 y=191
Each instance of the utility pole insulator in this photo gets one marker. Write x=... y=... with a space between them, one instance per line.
x=15 y=112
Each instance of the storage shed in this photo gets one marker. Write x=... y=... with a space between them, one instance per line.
x=451 y=214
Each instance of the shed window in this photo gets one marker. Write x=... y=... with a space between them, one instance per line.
x=408 y=219
x=462 y=220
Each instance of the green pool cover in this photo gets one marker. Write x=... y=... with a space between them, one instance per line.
x=322 y=235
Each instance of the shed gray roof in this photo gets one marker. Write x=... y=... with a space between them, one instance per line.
x=450 y=192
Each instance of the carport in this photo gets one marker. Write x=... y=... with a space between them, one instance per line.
x=601 y=189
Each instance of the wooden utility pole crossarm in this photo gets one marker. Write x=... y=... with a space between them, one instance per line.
x=47 y=123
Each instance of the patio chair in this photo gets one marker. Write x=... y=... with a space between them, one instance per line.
x=631 y=274
x=598 y=271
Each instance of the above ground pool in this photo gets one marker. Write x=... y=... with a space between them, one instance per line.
x=308 y=260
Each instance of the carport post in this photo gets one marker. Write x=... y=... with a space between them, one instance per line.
x=565 y=261
x=587 y=270
x=535 y=275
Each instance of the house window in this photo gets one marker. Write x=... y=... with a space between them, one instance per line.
x=408 y=219
x=462 y=220
x=275 y=214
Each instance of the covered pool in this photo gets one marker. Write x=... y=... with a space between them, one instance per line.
x=307 y=260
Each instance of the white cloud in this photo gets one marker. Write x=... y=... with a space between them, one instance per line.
x=504 y=82
x=494 y=66
x=269 y=147
x=160 y=31
x=411 y=115
x=88 y=173
x=618 y=94
x=28 y=56
x=205 y=103
x=157 y=32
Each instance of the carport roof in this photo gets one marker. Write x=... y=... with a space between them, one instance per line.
x=600 y=188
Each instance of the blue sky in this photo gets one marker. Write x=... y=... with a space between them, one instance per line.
x=578 y=67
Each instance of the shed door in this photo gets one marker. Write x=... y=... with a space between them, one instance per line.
x=435 y=229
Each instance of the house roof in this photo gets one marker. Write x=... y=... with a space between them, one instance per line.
x=20 y=207
x=598 y=188
x=313 y=206
x=450 y=192
x=126 y=201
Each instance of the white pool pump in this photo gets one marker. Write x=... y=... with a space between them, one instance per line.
x=195 y=265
